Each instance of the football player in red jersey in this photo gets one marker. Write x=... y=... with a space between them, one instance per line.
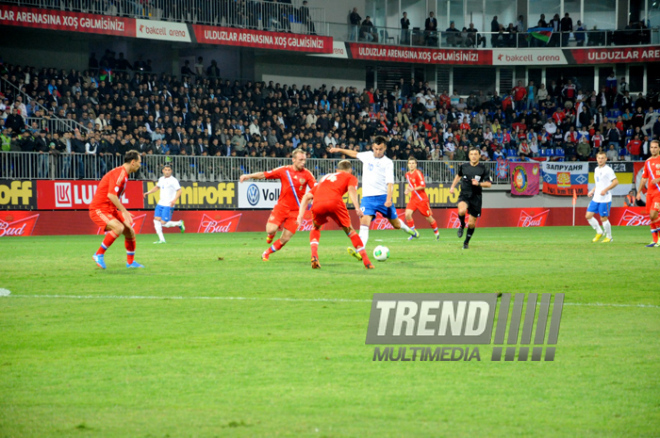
x=651 y=175
x=295 y=179
x=418 y=199
x=328 y=204
x=108 y=213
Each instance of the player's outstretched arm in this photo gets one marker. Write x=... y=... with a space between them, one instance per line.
x=453 y=184
x=303 y=206
x=347 y=152
x=352 y=195
x=642 y=184
x=154 y=190
x=247 y=176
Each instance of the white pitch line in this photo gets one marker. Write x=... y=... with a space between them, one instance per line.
x=285 y=299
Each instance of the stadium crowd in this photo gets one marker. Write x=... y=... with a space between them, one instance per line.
x=200 y=114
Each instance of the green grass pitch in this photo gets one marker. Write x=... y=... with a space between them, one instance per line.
x=210 y=350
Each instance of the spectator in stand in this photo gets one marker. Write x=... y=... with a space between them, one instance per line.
x=580 y=34
x=566 y=27
x=634 y=148
x=355 y=21
x=453 y=35
x=367 y=31
x=431 y=30
x=494 y=30
x=405 y=29
x=474 y=39
x=555 y=23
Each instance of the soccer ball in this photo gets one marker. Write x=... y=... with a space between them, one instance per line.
x=381 y=253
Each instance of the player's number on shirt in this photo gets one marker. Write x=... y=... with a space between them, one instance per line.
x=331 y=177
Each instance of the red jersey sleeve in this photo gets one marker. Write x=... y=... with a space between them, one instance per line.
x=117 y=183
x=275 y=173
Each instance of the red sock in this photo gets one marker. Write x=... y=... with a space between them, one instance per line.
x=434 y=225
x=410 y=223
x=654 y=226
x=130 y=250
x=270 y=237
x=314 y=237
x=274 y=247
x=359 y=247
x=110 y=237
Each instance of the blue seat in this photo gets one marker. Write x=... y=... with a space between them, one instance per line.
x=550 y=152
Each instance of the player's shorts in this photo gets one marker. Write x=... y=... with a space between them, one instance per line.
x=163 y=212
x=652 y=201
x=602 y=208
x=284 y=218
x=335 y=211
x=102 y=217
x=372 y=204
x=473 y=203
x=422 y=205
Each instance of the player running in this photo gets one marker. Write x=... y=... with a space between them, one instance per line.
x=107 y=212
x=652 y=175
x=170 y=193
x=377 y=188
x=295 y=179
x=605 y=181
x=418 y=199
x=473 y=177
x=328 y=204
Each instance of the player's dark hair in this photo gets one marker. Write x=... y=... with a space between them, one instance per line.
x=473 y=148
x=344 y=165
x=380 y=140
x=167 y=165
x=131 y=155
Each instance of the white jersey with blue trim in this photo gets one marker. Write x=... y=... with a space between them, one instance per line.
x=603 y=176
x=168 y=188
x=376 y=174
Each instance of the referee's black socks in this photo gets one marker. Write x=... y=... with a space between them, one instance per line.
x=468 y=236
x=461 y=219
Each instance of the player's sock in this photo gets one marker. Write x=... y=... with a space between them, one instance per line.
x=594 y=224
x=607 y=227
x=468 y=236
x=434 y=225
x=129 y=243
x=314 y=237
x=172 y=224
x=159 y=230
x=359 y=247
x=406 y=228
x=411 y=224
x=655 y=230
x=269 y=238
x=364 y=234
x=110 y=237
x=461 y=220
x=274 y=247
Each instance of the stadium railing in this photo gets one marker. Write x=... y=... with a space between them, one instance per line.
x=34 y=165
x=253 y=14
x=457 y=40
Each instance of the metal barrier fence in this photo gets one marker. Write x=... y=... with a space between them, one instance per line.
x=54 y=125
x=252 y=14
x=34 y=165
x=420 y=37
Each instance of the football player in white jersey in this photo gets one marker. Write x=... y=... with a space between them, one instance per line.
x=170 y=191
x=377 y=189
x=605 y=181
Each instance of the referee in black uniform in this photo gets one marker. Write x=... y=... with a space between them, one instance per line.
x=473 y=177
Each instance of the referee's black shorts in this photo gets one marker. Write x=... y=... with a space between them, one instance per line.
x=473 y=203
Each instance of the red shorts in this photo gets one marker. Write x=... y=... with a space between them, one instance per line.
x=102 y=217
x=284 y=218
x=652 y=201
x=419 y=204
x=335 y=211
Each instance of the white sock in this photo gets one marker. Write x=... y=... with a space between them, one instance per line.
x=172 y=224
x=594 y=224
x=608 y=229
x=159 y=230
x=364 y=234
x=406 y=228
